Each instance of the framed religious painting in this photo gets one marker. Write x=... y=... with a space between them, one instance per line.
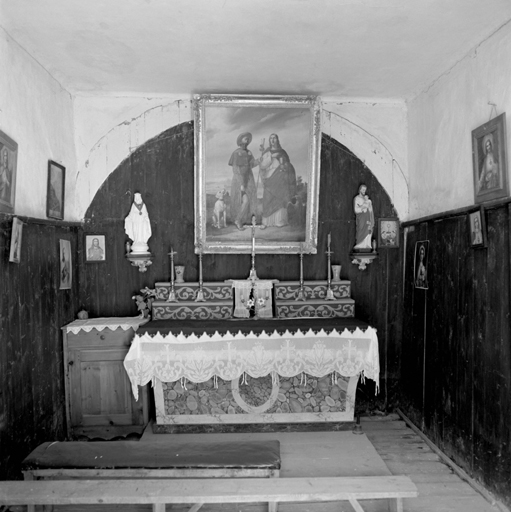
x=477 y=228
x=8 y=164
x=55 y=191
x=256 y=173
x=17 y=233
x=65 y=265
x=388 y=233
x=420 y=268
x=490 y=160
x=95 y=248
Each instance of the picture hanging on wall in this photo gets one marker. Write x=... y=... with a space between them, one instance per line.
x=66 y=274
x=95 y=248
x=490 y=160
x=420 y=268
x=8 y=164
x=17 y=232
x=477 y=228
x=388 y=233
x=256 y=162
x=56 y=189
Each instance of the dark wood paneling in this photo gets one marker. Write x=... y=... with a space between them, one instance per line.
x=461 y=328
x=163 y=171
x=32 y=312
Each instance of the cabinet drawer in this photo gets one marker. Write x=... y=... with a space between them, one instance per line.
x=106 y=337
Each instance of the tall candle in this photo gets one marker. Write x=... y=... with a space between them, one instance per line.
x=172 y=264
x=329 y=239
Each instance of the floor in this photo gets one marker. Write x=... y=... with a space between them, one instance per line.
x=387 y=445
x=394 y=448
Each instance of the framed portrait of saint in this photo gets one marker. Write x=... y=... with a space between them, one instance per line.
x=388 y=233
x=55 y=191
x=8 y=164
x=95 y=248
x=420 y=273
x=17 y=232
x=65 y=265
x=490 y=160
x=477 y=228
x=256 y=173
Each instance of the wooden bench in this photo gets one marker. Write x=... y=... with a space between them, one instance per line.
x=160 y=492
x=128 y=459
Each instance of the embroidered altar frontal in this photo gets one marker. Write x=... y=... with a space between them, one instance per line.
x=242 y=371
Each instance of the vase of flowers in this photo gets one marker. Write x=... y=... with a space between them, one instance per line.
x=144 y=301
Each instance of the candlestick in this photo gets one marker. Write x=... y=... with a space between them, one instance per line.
x=301 y=263
x=200 y=267
x=172 y=263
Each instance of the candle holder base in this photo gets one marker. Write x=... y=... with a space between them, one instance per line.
x=329 y=294
x=200 y=296
x=300 y=294
x=172 y=296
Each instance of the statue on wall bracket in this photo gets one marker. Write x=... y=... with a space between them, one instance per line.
x=138 y=228
x=364 y=251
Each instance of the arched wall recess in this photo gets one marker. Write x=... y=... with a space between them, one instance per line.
x=116 y=145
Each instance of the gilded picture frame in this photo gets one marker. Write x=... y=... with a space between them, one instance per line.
x=8 y=172
x=490 y=160
x=257 y=161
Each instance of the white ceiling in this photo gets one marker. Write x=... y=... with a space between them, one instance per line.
x=333 y=48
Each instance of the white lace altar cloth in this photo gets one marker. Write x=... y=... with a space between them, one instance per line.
x=112 y=323
x=199 y=358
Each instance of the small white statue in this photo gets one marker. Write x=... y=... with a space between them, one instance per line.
x=363 y=208
x=138 y=226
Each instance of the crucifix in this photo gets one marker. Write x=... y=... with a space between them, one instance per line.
x=253 y=226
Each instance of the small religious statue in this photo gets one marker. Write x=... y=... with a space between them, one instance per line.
x=138 y=226
x=363 y=208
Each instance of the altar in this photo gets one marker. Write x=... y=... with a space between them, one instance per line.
x=245 y=371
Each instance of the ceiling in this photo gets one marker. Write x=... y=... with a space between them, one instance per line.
x=334 y=48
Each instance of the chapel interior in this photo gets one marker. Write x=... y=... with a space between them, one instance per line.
x=107 y=92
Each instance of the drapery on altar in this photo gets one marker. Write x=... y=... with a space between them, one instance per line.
x=198 y=351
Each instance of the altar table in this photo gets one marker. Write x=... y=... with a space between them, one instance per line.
x=301 y=370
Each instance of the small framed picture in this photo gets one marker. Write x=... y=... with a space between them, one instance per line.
x=420 y=271
x=17 y=231
x=95 y=248
x=66 y=265
x=477 y=228
x=388 y=233
x=8 y=162
x=490 y=160
x=56 y=189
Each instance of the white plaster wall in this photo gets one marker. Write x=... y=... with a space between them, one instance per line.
x=37 y=113
x=109 y=128
x=442 y=118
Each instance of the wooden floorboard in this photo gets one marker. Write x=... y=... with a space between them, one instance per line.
x=400 y=451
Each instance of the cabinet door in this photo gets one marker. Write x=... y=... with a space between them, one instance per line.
x=100 y=391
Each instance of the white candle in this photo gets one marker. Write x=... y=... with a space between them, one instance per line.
x=329 y=239
x=172 y=264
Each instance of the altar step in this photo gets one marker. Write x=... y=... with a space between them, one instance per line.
x=218 y=303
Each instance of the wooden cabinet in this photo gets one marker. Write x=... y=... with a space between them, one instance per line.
x=99 y=400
